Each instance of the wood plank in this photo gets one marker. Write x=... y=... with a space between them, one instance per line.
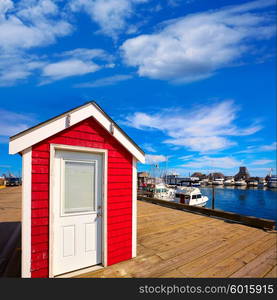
x=171 y=261
x=258 y=267
x=272 y=273
x=238 y=260
x=212 y=257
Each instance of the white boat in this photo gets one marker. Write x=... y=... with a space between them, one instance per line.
x=229 y=182
x=161 y=191
x=218 y=181
x=190 y=196
x=272 y=182
x=252 y=183
x=240 y=182
x=204 y=182
x=262 y=183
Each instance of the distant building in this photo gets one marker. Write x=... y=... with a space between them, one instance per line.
x=142 y=178
x=242 y=174
x=215 y=175
x=199 y=175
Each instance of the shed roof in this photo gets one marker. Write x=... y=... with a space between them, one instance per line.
x=41 y=131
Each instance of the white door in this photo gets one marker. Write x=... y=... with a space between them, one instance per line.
x=76 y=211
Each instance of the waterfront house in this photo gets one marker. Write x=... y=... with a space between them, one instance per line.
x=79 y=192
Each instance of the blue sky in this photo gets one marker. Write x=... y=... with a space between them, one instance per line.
x=191 y=81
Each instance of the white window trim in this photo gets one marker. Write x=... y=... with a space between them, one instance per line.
x=134 y=208
x=104 y=152
x=26 y=213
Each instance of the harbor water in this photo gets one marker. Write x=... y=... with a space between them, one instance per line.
x=261 y=203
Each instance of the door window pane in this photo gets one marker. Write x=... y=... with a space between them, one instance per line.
x=79 y=187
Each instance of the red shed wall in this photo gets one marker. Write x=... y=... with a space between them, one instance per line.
x=87 y=133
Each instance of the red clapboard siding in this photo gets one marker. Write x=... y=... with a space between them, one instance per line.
x=37 y=230
x=88 y=133
x=120 y=172
x=120 y=232
x=40 y=213
x=40 y=204
x=36 y=239
x=39 y=247
x=39 y=256
x=40 y=169
x=41 y=154
x=120 y=205
x=119 y=212
x=40 y=178
x=40 y=161
x=40 y=273
x=39 y=221
x=39 y=264
x=40 y=187
x=40 y=195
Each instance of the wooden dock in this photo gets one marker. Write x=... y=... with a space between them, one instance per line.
x=10 y=204
x=173 y=243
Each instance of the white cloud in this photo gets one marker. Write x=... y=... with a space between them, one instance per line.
x=24 y=25
x=202 y=144
x=16 y=66
x=186 y=157
x=213 y=162
x=202 y=129
x=110 y=15
x=69 y=67
x=270 y=147
x=194 y=47
x=154 y=159
x=262 y=162
x=81 y=61
x=88 y=54
x=30 y=23
x=262 y=148
x=111 y=80
x=75 y=63
x=148 y=147
x=11 y=123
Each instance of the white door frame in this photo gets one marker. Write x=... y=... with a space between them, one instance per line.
x=104 y=152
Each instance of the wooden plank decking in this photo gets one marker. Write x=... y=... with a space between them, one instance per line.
x=10 y=204
x=174 y=243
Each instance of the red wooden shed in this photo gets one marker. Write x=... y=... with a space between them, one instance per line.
x=79 y=193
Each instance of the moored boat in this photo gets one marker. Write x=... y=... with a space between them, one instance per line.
x=229 y=182
x=218 y=181
x=161 y=191
x=240 y=182
x=272 y=182
x=190 y=196
x=252 y=183
x=261 y=183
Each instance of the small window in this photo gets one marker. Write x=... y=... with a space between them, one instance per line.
x=199 y=196
x=194 y=197
x=79 y=186
x=187 y=197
